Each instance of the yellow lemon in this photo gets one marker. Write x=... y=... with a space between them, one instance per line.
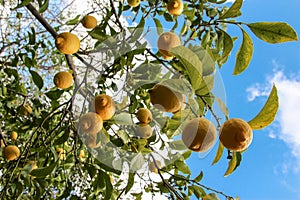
x=89 y=22
x=67 y=43
x=104 y=106
x=133 y=3
x=175 y=7
x=63 y=80
x=90 y=123
x=199 y=134
x=236 y=134
x=165 y=99
x=11 y=152
x=144 y=115
x=14 y=135
x=166 y=42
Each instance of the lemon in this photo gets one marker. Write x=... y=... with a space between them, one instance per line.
x=175 y=7
x=90 y=123
x=11 y=152
x=165 y=99
x=67 y=43
x=63 y=80
x=14 y=135
x=236 y=134
x=104 y=106
x=133 y=3
x=144 y=115
x=199 y=134
x=166 y=42
x=89 y=22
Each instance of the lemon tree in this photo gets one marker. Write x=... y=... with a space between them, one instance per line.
x=100 y=103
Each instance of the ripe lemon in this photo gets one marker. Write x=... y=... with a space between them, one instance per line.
x=167 y=41
x=133 y=3
x=25 y=110
x=89 y=22
x=67 y=43
x=14 y=135
x=63 y=80
x=236 y=134
x=175 y=7
x=104 y=106
x=152 y=166
x=199 y=134
x=143 y=130
x=144 y=115
x=11 y=152
x=90 y=123
x=165 y=99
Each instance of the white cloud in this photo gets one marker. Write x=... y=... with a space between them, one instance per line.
x=288 y=116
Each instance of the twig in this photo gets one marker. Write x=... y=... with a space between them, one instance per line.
x=171 y=189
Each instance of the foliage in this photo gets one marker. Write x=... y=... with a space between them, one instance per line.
x=117 y=57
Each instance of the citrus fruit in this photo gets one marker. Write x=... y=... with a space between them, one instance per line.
x=89 y=22
x=166 y=42
x=144 y=115
x=67 y=43
x=63 y=80
x=175 y=7
x=236 y=134
x=199 y=134
x=104 y=106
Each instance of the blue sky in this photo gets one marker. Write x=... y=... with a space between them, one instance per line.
x=270 y=168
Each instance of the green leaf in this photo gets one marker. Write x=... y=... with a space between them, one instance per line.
x=130 y=182
x=73 y=21
x=137 y=162
x=233 y=11
x=244 y=54
x=43 y=7
x=37 y=79
x=177 y=145
x=227 y=45
x=138 y=31
x=199 y=177
x=98 y=34
x=63 y=138
x=198 y=191
x=208 y=64
x=159 y=28
x=181 y=166
x=273 y=32
x=23 y=3
x=123 y=119
x=267 y=113
x=108 y=187
x=168 y=17
x=191 y=63
x=231 y=165
x=211 y=196
x=218 y=154
x=43 y=171
x=55 y=94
